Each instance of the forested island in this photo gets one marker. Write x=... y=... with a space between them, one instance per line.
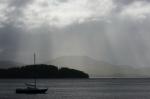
x=41 y=71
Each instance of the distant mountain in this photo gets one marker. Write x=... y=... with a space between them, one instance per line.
x=99 y=68
x=8 y=64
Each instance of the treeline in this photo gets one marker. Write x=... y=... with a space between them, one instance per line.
x=41 y=71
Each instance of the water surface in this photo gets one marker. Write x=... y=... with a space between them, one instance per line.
x=136 y=88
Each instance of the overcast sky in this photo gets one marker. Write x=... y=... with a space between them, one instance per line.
x=114 y=31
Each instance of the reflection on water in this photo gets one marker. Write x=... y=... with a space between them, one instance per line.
x=80 y=89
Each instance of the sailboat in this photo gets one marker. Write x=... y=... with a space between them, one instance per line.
x=31 y=88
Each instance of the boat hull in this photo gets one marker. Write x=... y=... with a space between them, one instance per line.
x=31 y=91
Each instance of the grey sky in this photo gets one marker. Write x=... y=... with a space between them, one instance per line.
x=115 y=31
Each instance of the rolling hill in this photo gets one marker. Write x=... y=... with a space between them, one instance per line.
x=99 y=68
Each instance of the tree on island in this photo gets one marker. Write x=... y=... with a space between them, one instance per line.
x=41 y=71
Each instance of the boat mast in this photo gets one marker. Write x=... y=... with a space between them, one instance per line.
x=34 y=58
x=34 y=64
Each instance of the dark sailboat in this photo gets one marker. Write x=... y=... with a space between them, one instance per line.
x=31 y=88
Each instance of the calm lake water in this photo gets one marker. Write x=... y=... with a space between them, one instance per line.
x=80 y=89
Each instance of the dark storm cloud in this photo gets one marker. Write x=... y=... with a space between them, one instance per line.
x=126 y=2
x=9 y=33
x=121 y=4
x=19 y=3
x=9 y=42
